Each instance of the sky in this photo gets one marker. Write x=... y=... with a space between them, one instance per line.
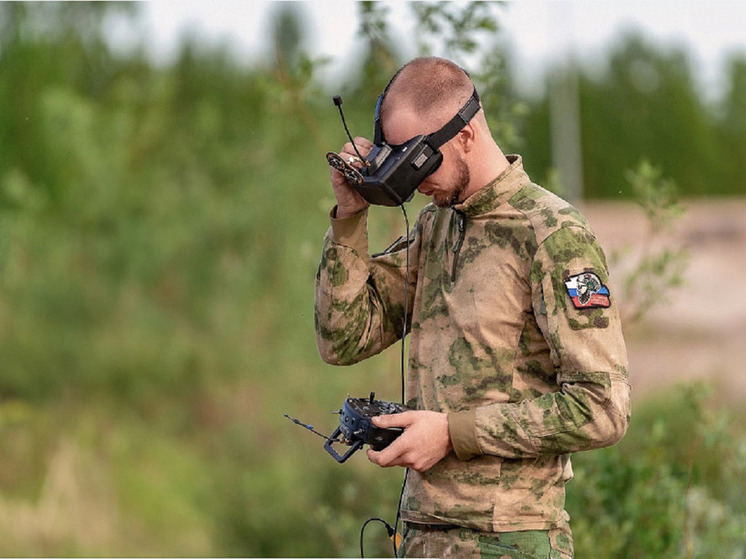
x=536 y=30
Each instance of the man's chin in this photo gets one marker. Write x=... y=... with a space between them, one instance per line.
x=445 y=200
x=442 y=199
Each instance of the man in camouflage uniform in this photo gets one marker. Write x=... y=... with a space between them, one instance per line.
x=516 y=355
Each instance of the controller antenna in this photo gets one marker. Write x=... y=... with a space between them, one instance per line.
x=310 y=428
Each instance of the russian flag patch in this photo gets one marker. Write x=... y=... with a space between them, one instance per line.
x=587 y=291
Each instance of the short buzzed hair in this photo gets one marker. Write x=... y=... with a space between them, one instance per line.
x=429 y=86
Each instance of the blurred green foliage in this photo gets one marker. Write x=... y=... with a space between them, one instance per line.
x=655 y=266
x=643 y=101
x=671 y=488
x=159 y=235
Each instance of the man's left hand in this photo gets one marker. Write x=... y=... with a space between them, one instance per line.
x=424 y=442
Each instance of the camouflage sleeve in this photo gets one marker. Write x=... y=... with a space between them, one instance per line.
x=580 y=322
x=359 y=307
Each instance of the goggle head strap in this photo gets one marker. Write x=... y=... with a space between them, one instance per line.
x=449 y=129
x=453 y=126
x=377 y=131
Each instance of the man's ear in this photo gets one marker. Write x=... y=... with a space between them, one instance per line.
x=466 y=137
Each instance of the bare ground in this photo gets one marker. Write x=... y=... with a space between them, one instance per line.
x=699 y=333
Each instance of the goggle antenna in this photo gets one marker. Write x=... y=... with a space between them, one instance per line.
x=338 y=102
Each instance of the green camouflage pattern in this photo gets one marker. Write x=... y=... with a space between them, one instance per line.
x=495 y=341
x=464 y=543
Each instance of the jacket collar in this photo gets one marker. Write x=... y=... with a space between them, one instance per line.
x=498 y=191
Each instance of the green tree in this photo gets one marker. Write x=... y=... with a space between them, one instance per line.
x=644 y=104
x=470 y=35
x=82 y=62
x=732 y=127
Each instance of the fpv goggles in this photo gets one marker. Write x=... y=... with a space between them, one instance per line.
x=392 y=173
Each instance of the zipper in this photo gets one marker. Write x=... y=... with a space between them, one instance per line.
x=456 y=249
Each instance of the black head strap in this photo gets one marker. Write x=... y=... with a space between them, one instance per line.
x=449 y=129
x=440 y=137
x=452 y=127
x=377 y=130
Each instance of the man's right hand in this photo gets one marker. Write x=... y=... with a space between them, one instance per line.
x=349 y=201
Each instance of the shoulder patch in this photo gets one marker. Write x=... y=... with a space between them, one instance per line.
x=586 y=291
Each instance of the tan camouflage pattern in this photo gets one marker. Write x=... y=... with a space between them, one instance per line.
x=466 y=544
x=495 y=342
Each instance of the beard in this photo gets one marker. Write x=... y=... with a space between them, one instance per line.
x=454 y=195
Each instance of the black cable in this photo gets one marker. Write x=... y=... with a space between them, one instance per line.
x=403 y=368
x=403 y=356
x=389 y=529
x=398 y=511
x=393 y=531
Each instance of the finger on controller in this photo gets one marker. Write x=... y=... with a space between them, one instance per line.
x=351 y=174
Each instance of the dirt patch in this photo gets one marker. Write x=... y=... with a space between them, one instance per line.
x=700 y=332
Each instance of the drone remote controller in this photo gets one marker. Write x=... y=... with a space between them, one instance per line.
x=356 y=428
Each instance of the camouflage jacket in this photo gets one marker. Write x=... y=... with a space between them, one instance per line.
x=513 y=333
